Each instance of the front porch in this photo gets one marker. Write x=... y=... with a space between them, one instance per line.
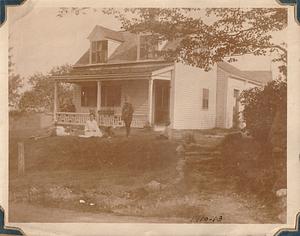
x=105 y=96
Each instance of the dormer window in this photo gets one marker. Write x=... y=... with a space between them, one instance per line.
x=99 y=51
x=148 y=47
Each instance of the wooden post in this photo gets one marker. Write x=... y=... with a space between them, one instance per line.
x=98 y=99
x=172 y=97
x=55 y=101
x=21 y=159
x=90 y=53
x=138 y=50
x=150 y=99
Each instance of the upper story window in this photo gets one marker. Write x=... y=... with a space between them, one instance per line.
x=99 y=51
x=148 y=47
x=236 y=94
x=205 y=98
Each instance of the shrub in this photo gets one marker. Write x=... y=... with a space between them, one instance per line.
x=260 y=107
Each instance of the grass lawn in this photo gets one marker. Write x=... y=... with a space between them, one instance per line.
x=128 y=180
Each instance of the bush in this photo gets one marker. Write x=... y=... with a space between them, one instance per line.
x=259 y=162
x=254 y=169
x=260 y=107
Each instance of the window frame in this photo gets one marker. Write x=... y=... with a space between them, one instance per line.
x=148 y=47
x=86 y=93
x=205 y=98
x=99 y=51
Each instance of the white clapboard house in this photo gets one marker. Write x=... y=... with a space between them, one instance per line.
x=120 y=64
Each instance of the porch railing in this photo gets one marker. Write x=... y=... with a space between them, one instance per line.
x=105 y=119
x=71 y=118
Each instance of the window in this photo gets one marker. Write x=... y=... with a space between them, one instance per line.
x=236 y=93
x=236 y=109
x=111 y=96
x=205 y=98
x=148 y=47
x=99 y=51
x=89 y=96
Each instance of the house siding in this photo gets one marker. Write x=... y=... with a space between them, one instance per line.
x=188 y=88
x=221 y=97
x=226 y=83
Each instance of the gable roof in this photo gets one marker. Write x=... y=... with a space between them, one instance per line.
x=257 y=76
x=142 y=70
x=232 y=70
x=100 y=32
x=260 y=76
x=126 y=52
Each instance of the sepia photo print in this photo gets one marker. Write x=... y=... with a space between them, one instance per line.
x=148 y=115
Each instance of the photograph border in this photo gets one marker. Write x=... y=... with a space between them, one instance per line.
x=291 y=151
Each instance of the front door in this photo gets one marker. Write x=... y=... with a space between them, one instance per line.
x=162 y=102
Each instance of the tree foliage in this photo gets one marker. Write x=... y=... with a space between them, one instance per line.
x=211 y=36
x=206 y=36
x=41 y=96
x=14 y=83
x=261 y=106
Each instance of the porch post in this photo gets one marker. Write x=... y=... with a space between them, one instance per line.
x=150 y=99
x=55 y=101
x=138 y=50
x=98 y=98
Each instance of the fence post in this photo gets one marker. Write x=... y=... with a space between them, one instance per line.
x=21 y=159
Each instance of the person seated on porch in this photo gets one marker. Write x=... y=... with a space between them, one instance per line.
x=91 y=128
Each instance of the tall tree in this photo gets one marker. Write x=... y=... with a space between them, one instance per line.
x=14 y=83
x=206 y=36
x=41 y=96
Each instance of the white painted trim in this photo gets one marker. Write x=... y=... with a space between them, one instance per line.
x=172 y=98
x=138 y=47
x=90 y=53
x=55 y=101
x=157 y=77
x=123 y=63
x=231 y=76
x=150 y=100
x=98 y=96
x=114 y=40
x=163 y=70
x=83 y=78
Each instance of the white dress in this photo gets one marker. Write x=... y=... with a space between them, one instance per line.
x=91 y=129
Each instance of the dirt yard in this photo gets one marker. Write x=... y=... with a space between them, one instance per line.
x=140 y=179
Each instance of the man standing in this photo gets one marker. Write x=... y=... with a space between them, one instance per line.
x=127 y=112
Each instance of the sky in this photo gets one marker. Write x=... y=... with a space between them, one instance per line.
x=41 y=40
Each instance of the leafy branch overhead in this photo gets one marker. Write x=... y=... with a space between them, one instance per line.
x=205 y=36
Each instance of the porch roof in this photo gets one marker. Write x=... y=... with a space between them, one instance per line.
x=122 y=71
